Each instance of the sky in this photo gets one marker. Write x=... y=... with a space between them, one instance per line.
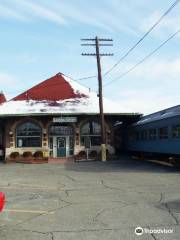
x=39 y=38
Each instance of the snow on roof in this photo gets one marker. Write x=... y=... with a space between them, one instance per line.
x=163 y=114
x=58 y=95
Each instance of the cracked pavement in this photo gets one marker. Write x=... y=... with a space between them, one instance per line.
x=89 y=200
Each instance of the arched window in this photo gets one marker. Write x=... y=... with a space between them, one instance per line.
x=92 y=131
x=28 y=134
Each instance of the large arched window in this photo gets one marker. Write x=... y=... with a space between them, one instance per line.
x=28 y=134
x=92 y=131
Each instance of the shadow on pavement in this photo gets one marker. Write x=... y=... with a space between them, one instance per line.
x=123 y=164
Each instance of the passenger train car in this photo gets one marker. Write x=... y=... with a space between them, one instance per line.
x=157 y=135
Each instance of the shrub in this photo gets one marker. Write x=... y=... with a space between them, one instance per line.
x=81 y=153
x=27 y=154
x=14 y=155
x=38 y=154
x=93 y=154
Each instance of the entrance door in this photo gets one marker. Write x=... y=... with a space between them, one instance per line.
x=61 y=146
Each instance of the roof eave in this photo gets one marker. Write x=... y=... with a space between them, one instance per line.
x=80 y=113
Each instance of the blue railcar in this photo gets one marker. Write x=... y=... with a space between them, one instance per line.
x=157 y=134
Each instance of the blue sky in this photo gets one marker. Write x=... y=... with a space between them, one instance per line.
x=41 y=38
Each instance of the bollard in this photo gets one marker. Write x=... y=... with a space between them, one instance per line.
x=2 y=201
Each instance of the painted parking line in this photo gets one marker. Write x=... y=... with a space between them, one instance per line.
x=30 y=185
x=27 y=211
x=27 y=186
x=37 y=186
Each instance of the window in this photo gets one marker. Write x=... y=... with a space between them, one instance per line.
x=137 y=136
x=152 y=134
x=144 y=135
x=1 y=139
x=176 y=131
x=28 y=134
x=163 y=133
x=62 y=130
x=51 y=146
x=91 y=130
x=131 y=136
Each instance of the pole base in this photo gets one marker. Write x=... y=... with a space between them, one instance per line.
x=103 y=152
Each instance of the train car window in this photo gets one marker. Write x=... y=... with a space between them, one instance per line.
x=152 y=134
x=132 y=136
x=163 y=133
x=137 y=135
x=144 y=135
x=176 y=131
x=141 y=135
x=1 y=138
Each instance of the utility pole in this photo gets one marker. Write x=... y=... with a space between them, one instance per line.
x=97 y=42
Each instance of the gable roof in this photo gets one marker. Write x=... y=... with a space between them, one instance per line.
x=53 y=89
x=59 y=95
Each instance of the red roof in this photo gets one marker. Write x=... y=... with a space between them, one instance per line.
x=2 y=98
x=53 y=89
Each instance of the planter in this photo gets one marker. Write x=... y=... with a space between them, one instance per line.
x=26 y=160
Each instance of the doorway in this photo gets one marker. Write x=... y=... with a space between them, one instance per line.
x=61 y=146
x=61 y=140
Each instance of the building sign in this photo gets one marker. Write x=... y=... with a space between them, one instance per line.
x=65 y=119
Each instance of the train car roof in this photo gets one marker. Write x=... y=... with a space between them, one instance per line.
x=163 y=114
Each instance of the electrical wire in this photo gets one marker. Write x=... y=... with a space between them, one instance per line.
x=84 y=78
x=144 y=59
x=142 y=38
x=126 y=54
x=135 y=45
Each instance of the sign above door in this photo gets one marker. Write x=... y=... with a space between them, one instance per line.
x=64 y=119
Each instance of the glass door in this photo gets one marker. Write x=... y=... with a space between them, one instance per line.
x=61 y=146
x=71 y=145
x=51 y=154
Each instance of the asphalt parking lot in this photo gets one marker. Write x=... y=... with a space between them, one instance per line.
x=90 y=200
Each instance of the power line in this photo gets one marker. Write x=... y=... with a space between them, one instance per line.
x=142 y=38
x=84 y=78
x=79 y=79
x=144 y=59
x=135 y=45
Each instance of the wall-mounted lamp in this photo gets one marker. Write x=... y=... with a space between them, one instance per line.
x=10 y=133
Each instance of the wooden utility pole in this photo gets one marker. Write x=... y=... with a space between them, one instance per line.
x=97 y=44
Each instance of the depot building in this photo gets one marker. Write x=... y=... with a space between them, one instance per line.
x=57 y=117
